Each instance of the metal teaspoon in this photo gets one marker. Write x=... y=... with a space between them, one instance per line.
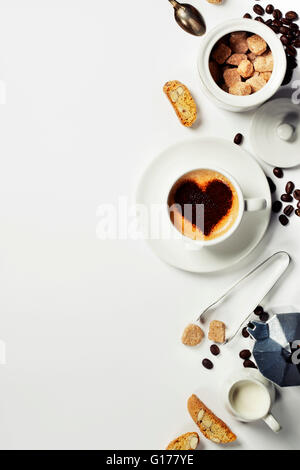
x=189 y=18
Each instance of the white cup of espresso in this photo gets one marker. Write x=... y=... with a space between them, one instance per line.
x=249 y=398
x=244 y=205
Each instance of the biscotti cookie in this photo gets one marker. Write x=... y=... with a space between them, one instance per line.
x=182 y=102
x=188 y=441
x=210 y=425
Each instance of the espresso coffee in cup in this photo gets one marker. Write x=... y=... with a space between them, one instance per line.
x=204 y=204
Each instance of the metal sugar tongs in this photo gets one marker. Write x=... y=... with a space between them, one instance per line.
x=286 y=259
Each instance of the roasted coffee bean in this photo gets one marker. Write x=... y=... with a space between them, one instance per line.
x=285 y=40
x=285 y=21
x=215 y=350
x=289 y=187
x=274 y=28
x=264 y=317
x=238 y=139
x=258 y=9
x=297 y=33
x=207 y=364
x=245 y=354
x=284 y=30
x=259 y=18
x=297 y=194
x=288 y=210
x=296 y=43
x=278 y=172
x=249 y=364
x=286 y=198
x=276 y=23
x=245 y=332
x=283 y=219
x=298 y=205
x=268 y=22
x=259 y=310
x=271 y=185
x=278 y=14
x=248 y=16
x=294 y=27
x=291 y=15
x=291 y=51
x=276 y=207
x=269 y=9
x=297 y=212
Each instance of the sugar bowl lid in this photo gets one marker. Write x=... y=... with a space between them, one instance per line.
x=275 y=133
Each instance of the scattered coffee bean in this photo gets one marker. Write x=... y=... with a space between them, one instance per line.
x=276 y=23
x=297 y=212
x=207 y=364
x=286 y=197
x=259 y=18
x=289 y=188
x=278 y=14
x=291 y=50
x=297 y=194
x=248 y=16
x=284 y=30
x=294 y=26
x=215 y=350
x=249 y=364
x=291 y=15
x=285 y=21
x=298 y=205
x=269 y=9
x=283 y=219
x=264 y=317
x=238 y=139
x=276 y=207
x=245 y=354
x=258 y=311
x=274 y=28
x=285 y=40
x=245 y=332
x=271 y=185
x=288 y=210
x=258 y=9
x=278 y=172
x=296 y=43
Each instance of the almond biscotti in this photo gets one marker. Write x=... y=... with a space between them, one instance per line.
x=210 y=425
x=182 y=102
x=188 y=441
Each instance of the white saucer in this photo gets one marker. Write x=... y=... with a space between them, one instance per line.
x=275 y=133
x=202 y=153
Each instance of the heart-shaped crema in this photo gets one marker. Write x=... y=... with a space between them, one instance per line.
x=204 y=204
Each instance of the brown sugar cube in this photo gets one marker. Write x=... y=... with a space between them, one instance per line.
x=256 y=44
x=215 y=71
x=236 y=59
x=245 y=69
x=231 y=76
x=264 y=63
x=256 y=83
x=217 y=331
x=251 y=56
x=221 y=53
x=265 y=75
x=238 y=42
x=192 y=335
x=240 y=89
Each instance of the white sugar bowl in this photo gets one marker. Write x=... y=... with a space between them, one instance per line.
x=232 y=102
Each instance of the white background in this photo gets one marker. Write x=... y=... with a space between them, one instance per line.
x=92 y=328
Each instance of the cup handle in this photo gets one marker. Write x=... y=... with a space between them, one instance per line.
x=253 y=205
x=272 y=423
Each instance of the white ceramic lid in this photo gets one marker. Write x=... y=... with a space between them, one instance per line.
x=275 y=133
